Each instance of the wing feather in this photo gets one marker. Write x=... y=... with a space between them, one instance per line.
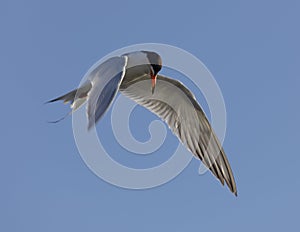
x=105 y=80
x=177 y=106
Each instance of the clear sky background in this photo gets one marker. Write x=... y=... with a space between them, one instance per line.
x=251 y=48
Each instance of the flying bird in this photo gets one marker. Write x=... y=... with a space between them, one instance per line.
x=135 y=75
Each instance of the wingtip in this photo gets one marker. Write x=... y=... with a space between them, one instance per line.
x=91 y=124
x=233 y=190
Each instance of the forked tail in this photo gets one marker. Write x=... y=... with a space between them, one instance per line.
x=76 y=98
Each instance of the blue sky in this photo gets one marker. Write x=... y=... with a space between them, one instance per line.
x=251 y=48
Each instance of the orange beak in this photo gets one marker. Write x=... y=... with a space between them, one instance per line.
x=153 y=82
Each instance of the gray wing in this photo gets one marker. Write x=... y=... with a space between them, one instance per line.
x=177 y=106
x=105 y=80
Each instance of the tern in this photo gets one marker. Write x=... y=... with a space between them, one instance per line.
x=135 y=75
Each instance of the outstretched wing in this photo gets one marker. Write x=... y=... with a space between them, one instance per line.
x=177 y=106
x=105 y=80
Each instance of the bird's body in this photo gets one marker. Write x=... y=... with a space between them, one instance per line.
x=134 y=74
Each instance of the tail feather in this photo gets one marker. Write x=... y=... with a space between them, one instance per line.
x=69 y=97
x=62 y=118
x=76 y=98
